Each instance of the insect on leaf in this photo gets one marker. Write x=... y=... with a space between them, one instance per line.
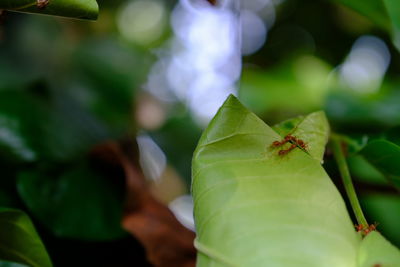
x=254 y=207
x=312 y=129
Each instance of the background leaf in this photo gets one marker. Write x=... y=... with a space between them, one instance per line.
x=373 y=9
x=385 y=156
x=19 y=241
x=85 y=205
x=11 y=264
x=80 y=9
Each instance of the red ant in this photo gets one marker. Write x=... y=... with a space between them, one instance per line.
x=289 y=138
x=366 y=230
x=285 y=151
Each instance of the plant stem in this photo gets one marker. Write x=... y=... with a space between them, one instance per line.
x=346 y=178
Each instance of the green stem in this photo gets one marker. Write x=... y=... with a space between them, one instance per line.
x=346 y=178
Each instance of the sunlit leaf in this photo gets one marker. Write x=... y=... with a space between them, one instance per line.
x=80 y=9
x=252 y=205
x=19 y=241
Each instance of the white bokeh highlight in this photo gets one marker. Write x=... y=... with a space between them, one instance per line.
x=366 y=65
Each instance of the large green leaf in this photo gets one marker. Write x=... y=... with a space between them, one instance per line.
x=81 y=9
x=19 y=241
x=254 y=207
x=385 y=156
x=79 y=203
x=376 y=251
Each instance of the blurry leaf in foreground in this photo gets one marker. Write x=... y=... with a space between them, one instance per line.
x=19 y=241
x=80 y=9
x=79 y=203
x=385 y=156
x=376 y=251
x=252 y=205
x=166 y=241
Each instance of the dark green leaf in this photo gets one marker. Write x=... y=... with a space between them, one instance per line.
x=80 y=9
x=80 y=203
x=34 y=127
x=375 y=10
x=384 y=210
x=11 y=264
x=393 y=9
x=385 y=156
x=19 y=241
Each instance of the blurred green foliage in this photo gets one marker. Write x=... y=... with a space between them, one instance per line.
x=68 y=85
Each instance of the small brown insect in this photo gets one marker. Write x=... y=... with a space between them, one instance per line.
x=287 y=138
x=285 y=151
x=292 y=139
x=371 y=227
x=366 y=230
x=359 y=227
x=42 y=3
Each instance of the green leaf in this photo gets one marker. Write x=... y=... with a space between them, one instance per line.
x=393 y=9
x=385 y=156
x=385 y=210
x=19 y=241
x=80 y=9
x=79 y=203
x=11 y=264
x=375 y=10
x=375 y=250
x=34 y=127
x=312 y=129
x=286 y=127
x=384 y=13
x=255 y=208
